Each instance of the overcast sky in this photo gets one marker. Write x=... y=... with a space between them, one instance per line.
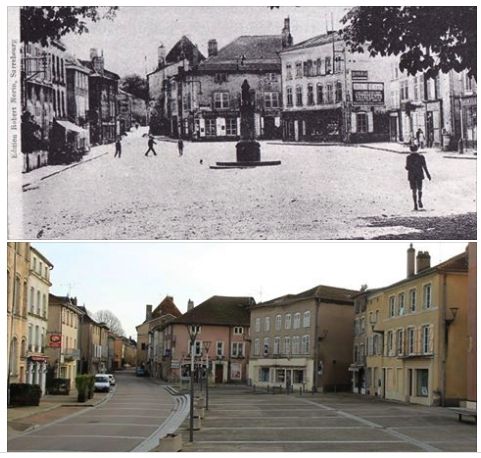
x=124 y=277
x=137 y=32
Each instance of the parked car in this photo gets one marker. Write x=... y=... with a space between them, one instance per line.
x=140 y=372
x=111 y=379
x=102 y=383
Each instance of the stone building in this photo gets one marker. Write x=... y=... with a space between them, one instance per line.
x=131 y=111
x=18 y=270
x=222 y=343
x=303 y=340
x=103 y=92
x=38 y=295
x=471 y=392
x=63 y=348
x=331 y=94
x=467 y=100
x=416 y=332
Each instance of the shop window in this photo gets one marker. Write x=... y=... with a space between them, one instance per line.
x=298 y=376
x=210 y=128
x=422 y=382
x=264 y=374
x=362 y=123
x=280 y=375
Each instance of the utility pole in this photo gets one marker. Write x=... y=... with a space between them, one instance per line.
x=14 y=295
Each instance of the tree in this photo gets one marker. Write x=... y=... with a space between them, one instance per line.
x=42 y=24
x=135 y=85
x=114 y=324
x=428 y=39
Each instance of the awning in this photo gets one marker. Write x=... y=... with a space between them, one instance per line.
x=71 y=126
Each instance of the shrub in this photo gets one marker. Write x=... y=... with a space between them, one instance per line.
x=59 y=386
x=82 y=385
x=25 y=394
x=91 y=387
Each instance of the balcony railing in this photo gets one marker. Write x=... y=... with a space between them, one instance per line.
x=71 y=354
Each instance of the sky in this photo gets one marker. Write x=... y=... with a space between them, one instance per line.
x=136 y=32
x=124 y=277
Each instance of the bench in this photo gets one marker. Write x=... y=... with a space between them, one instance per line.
x=464 y=413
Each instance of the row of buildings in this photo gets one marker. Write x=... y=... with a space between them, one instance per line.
x=316 y=90
x=52 y=336
x=69 y=104
x=412 y=341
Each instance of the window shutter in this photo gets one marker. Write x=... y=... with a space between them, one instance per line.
x=431 y=338
x=370 y=122
x=202 y=127
x=353 y=123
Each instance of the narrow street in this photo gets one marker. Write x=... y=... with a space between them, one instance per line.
x=136 y=412
x=318 y=192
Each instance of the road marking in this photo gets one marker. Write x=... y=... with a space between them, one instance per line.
x=270 y=418
x=90 y=436
x=113 y=424
x=129 y=416
x=281 y=427
x=298 y=442
x=132 y=408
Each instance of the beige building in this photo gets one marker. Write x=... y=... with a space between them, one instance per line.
x=415 y=334
x=18 y=266
x=63 y=337
x=38 y=294
x=303 y=340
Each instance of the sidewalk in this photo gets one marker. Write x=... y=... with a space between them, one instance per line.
x=400 y=148
x=51 y=408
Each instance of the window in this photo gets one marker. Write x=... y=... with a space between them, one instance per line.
x=318 y=66
x=411 y=334
x=256 y=347
x=210 y=128
x=238 y=330
x=337 y=65
x=266 y=345
x=412 y=300
x=401 y=304
x=219 y=348
x=468 y=83
x=195 y=329
x=329 y=94
x=221 y=100
x=320 y=94
x=305 y=345
x=295 y=345
x=278 y=322
x=231 y=127
x=361 y=122
x=40 y=267
x=263 y=374
x=37 y=339
x=38 y=302
x=280 y=375
x=16 y=299
x=220 y=77
x=30 y=337
x=298 y=376
x=287 y=345
x=287 y=321
x=427 y=296
x=258 y=325
x=426 y=336
x=32 y=299
x=44 y=306
x=297 y=321
x=298 y=69
x=306 y=322
x=288 y=71
x=392 y=306
x=277 y=345
x=377 y=344
x=328 y=65
x=271 y=99
x=310 y=94
x=389 y=343
x=34 y=264
x=338 y=92
x=422 y=379
x=289 y=102
x=237 y=349
x=400 y=341
x=299 y=96
x=404 y=90
x=267 y=323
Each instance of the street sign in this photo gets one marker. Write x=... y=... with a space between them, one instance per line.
x=174 y=364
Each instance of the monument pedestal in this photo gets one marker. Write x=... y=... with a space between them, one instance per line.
x=248 y=151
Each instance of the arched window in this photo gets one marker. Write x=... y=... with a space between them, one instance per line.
x=23 y=349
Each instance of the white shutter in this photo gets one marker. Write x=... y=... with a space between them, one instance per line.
x=353 y=123
x=238 y=126
x=431 y=338
x=220 y=127
x=202 y=127
x=370 y=122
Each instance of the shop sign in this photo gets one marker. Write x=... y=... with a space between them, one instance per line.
x=55 y=341
x=359 y=75
x=368 y=93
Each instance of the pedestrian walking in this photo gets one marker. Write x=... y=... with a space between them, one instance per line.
x=118 y=147
x=420 y=138
x=416 y=167
x=151 y=144
x=180 y=146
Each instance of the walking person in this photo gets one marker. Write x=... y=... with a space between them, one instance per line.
x=118 y=147
x=416 y=167
x=180 y=146
x=151 y=144
x=420 y=138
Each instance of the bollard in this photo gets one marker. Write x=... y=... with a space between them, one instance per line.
x=169 y=443
x=200 y=411
x=196 y=423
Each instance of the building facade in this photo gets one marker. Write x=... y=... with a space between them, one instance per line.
x=471 y=397
x=38 y=295
x=468 y=107
x=63 y=350
x=415 y=334
x=303 y=340
x=18 y=270
x=331 y=94
x=93 y=344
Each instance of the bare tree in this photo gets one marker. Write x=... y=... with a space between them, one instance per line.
x=114 y=324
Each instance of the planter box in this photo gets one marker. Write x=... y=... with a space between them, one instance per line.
x=169 y=443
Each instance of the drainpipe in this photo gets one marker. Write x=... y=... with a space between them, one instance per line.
x=315 y=378
x=443 y=342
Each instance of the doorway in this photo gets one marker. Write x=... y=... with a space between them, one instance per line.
x=219 y=372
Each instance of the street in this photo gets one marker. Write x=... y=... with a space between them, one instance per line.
x=135 y=412
x=239 y=420
x=318 y=192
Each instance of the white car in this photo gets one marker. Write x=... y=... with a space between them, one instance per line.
x=111 y=379
x=102 y=383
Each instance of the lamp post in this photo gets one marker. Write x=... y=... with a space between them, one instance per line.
x=206 y=349
x=192 y=330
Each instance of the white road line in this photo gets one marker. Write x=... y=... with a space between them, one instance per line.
x=129 y=416
x=270 y=418
x=297 y=442
x=138 y=425
x=217 y=428
x=133 y=408
x=90 y=436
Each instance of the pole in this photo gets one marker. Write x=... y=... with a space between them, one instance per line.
x=11 y=322
x=191 y=421
x=207 y=385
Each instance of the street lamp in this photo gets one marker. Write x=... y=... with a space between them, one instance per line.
x=193 y=331
x=206 y=349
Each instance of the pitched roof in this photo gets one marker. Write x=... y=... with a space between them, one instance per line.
x=66 y=301
x=323 y=293
x=183 y=49
x=318 y=40
x=247 y=52
x=107 y=73
x=219 y=310
x=166 y=307
x=72 y=62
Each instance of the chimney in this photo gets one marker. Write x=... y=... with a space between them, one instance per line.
x=423 y=261
x=287 y=39
x=148 y=312
x=411 y=255
x=212 y=47
x=161 y=55
x=195 y=57
x=97 y=60
x=93 y=53
x=190 y=304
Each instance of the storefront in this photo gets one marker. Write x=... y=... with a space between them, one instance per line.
x=468 y=121
x=37 y=371
x=317 y=125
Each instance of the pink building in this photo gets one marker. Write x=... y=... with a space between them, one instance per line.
x=222 y=342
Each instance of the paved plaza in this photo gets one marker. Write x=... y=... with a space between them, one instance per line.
x=239 y=420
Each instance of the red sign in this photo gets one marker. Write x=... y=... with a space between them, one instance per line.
x=55 y=340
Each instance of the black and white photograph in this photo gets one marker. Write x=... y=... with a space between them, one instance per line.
x=257 y=123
